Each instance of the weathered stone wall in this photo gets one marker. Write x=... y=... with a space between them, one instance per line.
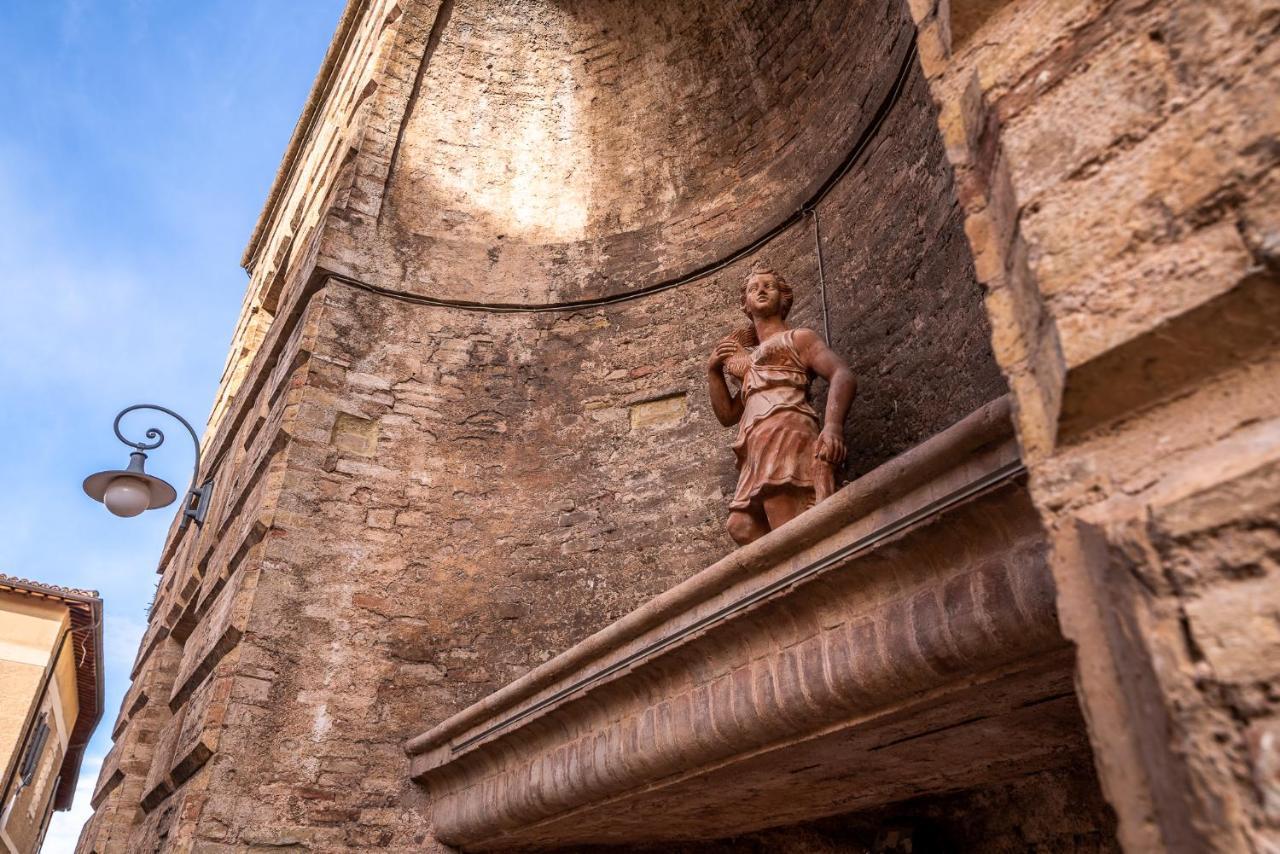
x=1117 y=165
x=416 y=503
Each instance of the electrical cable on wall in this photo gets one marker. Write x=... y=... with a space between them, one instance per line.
x=810 y=207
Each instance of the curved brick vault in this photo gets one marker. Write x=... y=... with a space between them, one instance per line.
x=572 y=148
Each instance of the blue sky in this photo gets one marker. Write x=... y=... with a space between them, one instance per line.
x=138 y=139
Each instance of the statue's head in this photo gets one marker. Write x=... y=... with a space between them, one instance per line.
x=765 y=289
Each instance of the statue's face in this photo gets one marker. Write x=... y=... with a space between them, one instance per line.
x=763 y=297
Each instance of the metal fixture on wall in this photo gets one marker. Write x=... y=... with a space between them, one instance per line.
x=822 y=275
x=130 y=491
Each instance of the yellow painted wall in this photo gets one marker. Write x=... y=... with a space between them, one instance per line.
x=65 y=674
x=32 y=804
x=18 y=686
x=29 y=628
x=25 y=621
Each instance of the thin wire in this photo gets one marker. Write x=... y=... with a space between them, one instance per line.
x=84 y=639
x=822 y=277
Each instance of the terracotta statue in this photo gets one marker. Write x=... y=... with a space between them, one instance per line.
x=785 y=464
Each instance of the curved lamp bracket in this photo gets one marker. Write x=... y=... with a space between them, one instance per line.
x=197 y=501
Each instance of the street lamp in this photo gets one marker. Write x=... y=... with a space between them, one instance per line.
x=129 y=491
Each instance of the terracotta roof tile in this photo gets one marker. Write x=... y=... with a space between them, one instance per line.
x=42 y=587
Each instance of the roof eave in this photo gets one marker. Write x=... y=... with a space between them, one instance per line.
x=86 y=721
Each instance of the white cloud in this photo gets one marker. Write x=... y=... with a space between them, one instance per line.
x=120 y=639
x=96 y=315
x=139 y=140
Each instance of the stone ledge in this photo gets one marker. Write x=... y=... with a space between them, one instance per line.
x=987 y=426
x=922 y=584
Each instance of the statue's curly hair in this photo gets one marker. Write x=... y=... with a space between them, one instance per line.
x=760 y=268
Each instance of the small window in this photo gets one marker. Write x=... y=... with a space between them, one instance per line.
x=34 y=747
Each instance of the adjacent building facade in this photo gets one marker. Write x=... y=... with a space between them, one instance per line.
x=464 y=583
x=50 y=702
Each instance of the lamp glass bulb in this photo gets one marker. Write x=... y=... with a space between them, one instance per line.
x=127 y=496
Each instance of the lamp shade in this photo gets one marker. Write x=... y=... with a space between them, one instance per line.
x=135 y=487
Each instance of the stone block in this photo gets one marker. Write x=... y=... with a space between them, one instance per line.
x=198 y=735
x=215 y=636
x=934 y=41
x=355 y=435
x=921 y=9
x=1237 y=627
x=159 y=785
x=665 y=412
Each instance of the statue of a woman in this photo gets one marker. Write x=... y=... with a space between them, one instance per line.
x=785 y=464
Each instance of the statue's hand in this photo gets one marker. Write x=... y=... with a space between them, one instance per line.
x=723 y=352
x=830 y=447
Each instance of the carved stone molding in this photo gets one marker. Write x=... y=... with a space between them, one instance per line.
x=907 y=624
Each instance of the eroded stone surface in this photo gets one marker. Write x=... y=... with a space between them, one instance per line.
x=1137 y=211
x=431 y=499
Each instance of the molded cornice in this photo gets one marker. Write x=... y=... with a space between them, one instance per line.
x=750 y=694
